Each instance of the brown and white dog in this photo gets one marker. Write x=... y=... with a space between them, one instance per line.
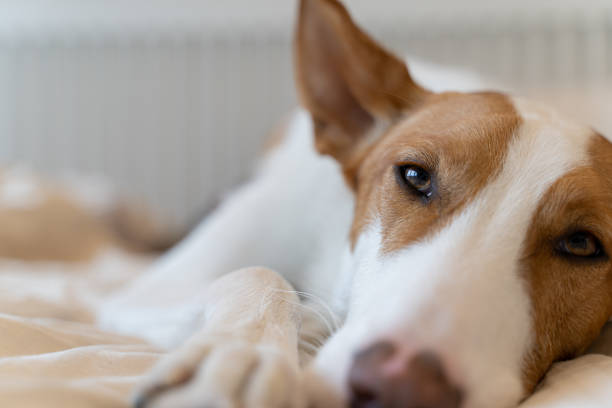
x=459 y=240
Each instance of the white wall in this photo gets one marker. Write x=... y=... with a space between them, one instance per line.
x=171 y=99
x=35 y=14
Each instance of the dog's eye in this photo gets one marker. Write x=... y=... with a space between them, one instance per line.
x=581 y=245
x=417 y=178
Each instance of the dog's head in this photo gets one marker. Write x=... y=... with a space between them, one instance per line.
x=481 y=234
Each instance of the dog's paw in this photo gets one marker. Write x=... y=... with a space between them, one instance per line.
x=223 y=374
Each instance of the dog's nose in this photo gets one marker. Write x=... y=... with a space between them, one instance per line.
x=379 y=379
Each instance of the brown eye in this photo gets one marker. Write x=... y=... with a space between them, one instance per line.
x=417 y=178
x=581 y=245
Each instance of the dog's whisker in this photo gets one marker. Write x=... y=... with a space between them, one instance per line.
x=316 y=300
x=330 y=321
x=310 y=308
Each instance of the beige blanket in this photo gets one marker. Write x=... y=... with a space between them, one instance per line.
x=52 y=355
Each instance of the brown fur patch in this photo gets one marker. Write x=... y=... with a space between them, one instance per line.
x=54 y=230
x=572 y=298
x=461 y=139
x=58 y=228
x=135 y=228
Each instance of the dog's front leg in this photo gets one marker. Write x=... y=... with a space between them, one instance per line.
x=246 y=355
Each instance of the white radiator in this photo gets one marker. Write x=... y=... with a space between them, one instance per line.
x=177 y=115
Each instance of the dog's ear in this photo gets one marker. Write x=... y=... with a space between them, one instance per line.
x=347 y=81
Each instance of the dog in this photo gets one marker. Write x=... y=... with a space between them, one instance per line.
x=418 y=248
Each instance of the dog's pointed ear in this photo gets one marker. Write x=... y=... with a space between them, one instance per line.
x=347 y=81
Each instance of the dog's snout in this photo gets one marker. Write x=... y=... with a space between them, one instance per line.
x=381 y=378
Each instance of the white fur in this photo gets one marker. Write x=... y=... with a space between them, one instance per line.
x=293 y=217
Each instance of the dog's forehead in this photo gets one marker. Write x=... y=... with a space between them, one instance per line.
x=487 y=122
x=463 y=137
x=477 y=131
x=584 y=157
x=455 y=119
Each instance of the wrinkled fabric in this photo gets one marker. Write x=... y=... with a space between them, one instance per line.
x=52 y=354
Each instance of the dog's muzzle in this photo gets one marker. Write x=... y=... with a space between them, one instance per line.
x=381 y=378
